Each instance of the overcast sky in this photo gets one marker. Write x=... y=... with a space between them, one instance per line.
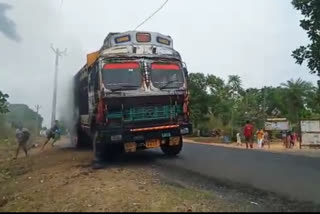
x=250 y=38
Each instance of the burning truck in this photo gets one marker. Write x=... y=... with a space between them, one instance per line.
x=132 y=94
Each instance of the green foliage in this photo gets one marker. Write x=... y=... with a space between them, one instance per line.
x=215 y=104
x=310 y=53
x=22 y=114
x=199 y=97
x=295 y=96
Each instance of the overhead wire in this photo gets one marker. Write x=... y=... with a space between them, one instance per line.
x=154 y=13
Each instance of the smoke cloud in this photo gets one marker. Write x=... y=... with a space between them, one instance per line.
x=66 y=107
x=7 y=26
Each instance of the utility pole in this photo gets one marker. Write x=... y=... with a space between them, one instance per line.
x=264 y=104
x=58 y=54
x=37 y=119
x=232 y=96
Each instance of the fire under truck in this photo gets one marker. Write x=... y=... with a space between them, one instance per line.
x=131 y=95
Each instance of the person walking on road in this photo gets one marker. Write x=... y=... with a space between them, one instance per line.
x=22 y=137
x=248 y=134
x=284 y=138
x=266 y=139
x=53 y=133
x=260 y=136
x=288 y=140
x=239 y=143
x=294 y=139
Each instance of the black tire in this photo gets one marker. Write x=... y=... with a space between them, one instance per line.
x=112 y=151
x=83 y=140
x=172 y=150
x=105 y=151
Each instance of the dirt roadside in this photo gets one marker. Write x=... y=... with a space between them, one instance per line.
x=61 y=179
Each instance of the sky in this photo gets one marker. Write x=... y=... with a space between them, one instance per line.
x=250 y=38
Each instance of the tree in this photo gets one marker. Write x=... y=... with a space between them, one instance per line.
x=296 y=94
x=235 y=85
x=21 y=114
x=313 y=101
x=310 y=9
x=221 y=100
x=3 y=103
x=198 y=97
x=218 y=105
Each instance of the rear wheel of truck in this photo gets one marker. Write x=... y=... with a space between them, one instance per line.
x=104 y=151
x=82 y=140
x=172 y=150
x=112 y=151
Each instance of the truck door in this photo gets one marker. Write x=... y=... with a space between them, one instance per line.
x=92 y=92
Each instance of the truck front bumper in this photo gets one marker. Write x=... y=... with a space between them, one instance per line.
x=142 y=134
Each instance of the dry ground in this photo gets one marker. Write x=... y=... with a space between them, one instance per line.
x=61 y=179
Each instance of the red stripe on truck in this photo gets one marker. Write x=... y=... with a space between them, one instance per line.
x=165 y=67
x=131 y=65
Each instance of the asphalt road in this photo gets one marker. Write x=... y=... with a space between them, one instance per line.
x=295 y=177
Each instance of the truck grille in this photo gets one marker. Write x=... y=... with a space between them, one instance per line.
x=146 y=113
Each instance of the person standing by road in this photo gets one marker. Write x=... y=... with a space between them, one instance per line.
x=22 y=137
x=294 y=138
x=291 y=139
x=248 y=134
x=266 y=139
x=239 y=143
x=260 y=136
x=284 y=138
x=288 y=140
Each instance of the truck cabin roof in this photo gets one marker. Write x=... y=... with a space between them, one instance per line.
x=134 y=44
x=137 y=38
x=138 y=44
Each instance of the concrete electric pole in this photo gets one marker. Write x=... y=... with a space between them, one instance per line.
x=58 y=54
x=37 y=120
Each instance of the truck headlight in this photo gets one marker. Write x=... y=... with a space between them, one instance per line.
x=184 y=130
x=116 y=137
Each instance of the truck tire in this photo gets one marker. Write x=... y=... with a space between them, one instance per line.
x=83 y=140
x=105 y=151
x=111 y=152
x=172 y=150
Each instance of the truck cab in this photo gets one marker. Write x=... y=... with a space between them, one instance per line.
x=132 y=94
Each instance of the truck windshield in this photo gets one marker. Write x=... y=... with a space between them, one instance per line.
x=122 y=76
x=166 y=76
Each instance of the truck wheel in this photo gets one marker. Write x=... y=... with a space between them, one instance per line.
x=110 y=152
x=172 y=150
x=83 y=140
x=107 y=152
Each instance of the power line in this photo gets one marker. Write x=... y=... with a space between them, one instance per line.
x=154 y=13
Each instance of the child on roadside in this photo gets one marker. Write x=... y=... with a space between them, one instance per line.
x=266 y=139
x=260 y=135
x=239 y=139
